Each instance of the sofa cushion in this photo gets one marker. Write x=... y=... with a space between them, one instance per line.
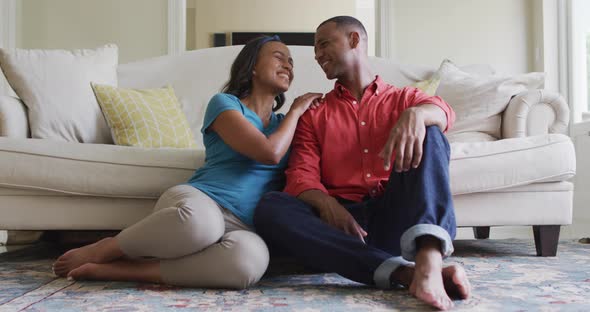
x=488 y=166
x=133 y=172
x=472 y=136
x=94 y=169
x=144 y=117
x=55 y=87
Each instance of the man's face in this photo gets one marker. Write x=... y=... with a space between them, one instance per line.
x=332 y=49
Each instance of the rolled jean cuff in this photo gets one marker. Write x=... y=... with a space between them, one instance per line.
x=408 y=240
x=383 y=273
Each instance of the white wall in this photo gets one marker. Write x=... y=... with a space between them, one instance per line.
x=263 y=15
x=497 y=32
x=138 y=27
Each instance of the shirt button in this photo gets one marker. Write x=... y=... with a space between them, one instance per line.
x=368 y=175
x=363 y=123
x=373 y=191
x=354 y=102
x=365 y=151
x=376 y=92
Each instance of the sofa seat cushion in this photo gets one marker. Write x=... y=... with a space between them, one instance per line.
x=134 y=172
x=488 y=166
x=94 y=169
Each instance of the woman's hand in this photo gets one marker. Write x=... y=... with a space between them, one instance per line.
x=306 y=101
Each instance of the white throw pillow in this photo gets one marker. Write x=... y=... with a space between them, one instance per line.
x=478 y=101
x=5 y=89
x=55 y=87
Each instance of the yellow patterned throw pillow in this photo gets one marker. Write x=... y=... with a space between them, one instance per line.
x=144 y=118
x=430 y=85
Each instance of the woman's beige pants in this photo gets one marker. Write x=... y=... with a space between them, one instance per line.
x=199 y=243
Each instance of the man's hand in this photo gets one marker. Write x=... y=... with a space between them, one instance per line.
x=406 y=138
x=332 y=212
x=337 y=216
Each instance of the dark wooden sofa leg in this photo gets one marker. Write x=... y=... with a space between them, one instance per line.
x=546 y=239
x=481 y=232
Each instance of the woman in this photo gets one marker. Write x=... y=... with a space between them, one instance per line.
x=200 y=233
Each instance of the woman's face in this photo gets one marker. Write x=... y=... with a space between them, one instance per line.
x=274 y=67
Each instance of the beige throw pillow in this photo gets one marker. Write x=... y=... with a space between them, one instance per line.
x=478 y=101
x=55 y=87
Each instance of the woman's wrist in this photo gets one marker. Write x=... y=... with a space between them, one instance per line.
x=295 y=112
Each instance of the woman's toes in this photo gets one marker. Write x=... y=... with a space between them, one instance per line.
x=82 y=272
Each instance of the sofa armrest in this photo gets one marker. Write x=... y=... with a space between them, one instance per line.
x=535 y=112
x=13 y=118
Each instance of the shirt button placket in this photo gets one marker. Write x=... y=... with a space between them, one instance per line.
x=364 y=135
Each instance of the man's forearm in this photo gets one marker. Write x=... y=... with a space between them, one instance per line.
x=317 y=199
x=432 y=115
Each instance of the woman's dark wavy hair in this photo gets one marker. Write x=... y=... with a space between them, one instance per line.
x=240 y=79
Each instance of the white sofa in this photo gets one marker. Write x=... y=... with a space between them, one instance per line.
x=52 y=185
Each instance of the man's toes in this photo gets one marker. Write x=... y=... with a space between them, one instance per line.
x=462 y=282
x=456 y=282
x=440 y=302
x=447 y=303
x=464 y=289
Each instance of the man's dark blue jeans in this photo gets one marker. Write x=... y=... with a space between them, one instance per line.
x=415 y=203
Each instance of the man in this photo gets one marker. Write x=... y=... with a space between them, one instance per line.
x=345 y=207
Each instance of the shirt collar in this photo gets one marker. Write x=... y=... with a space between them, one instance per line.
x=375 y=87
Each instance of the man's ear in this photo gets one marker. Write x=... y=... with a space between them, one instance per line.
x=354 y=39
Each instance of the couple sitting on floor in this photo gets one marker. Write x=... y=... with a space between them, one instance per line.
x=366 y=193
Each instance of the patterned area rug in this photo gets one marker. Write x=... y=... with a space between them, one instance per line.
x=506 y=276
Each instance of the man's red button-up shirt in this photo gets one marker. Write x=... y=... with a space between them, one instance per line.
x=336 y=146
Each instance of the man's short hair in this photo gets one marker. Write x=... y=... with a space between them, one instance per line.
x=343 y=21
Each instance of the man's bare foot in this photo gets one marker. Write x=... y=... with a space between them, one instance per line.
x=456 y=282
x=102 y=251
x=427 y=283
x=454 y=277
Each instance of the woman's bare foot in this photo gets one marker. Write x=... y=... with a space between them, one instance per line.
x=121 y=270
x=102 y=251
